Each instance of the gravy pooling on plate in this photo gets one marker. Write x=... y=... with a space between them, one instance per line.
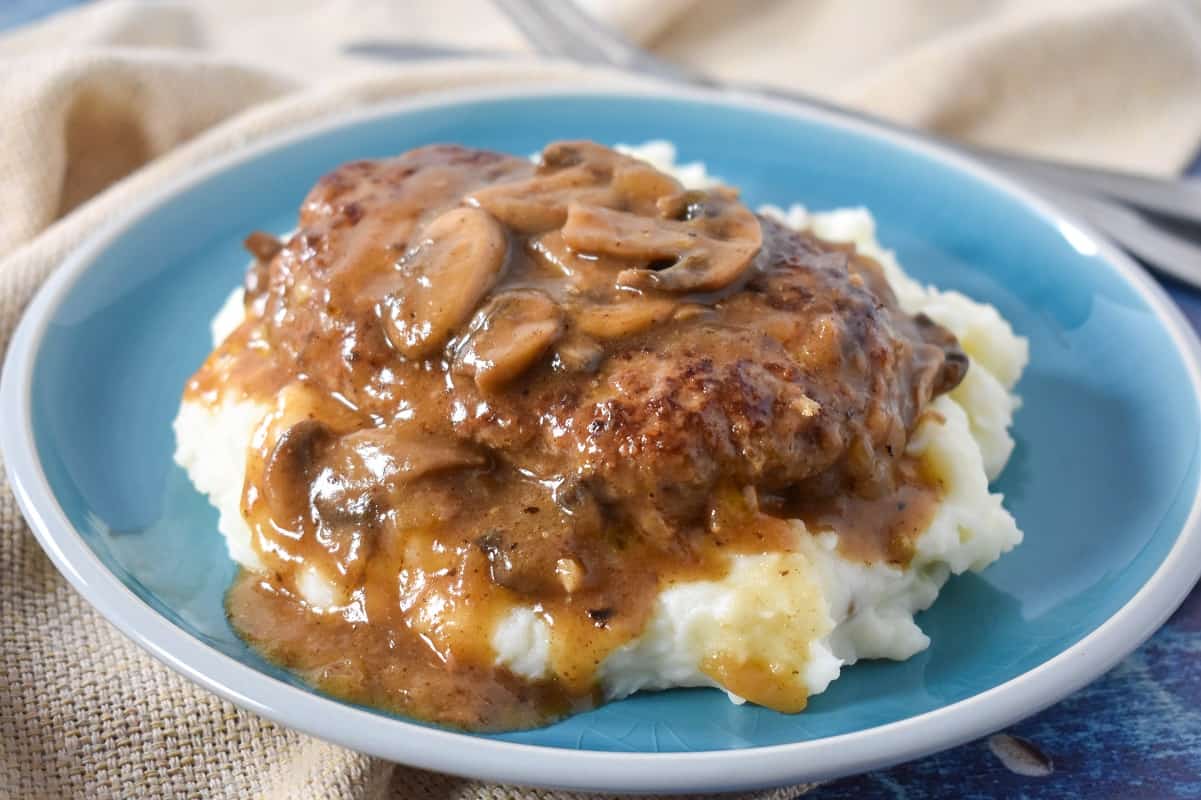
x=567 y=384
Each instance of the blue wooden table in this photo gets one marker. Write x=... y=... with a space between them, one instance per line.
x=1135 y=733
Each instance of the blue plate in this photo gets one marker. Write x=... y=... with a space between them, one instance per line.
x=1103 y=482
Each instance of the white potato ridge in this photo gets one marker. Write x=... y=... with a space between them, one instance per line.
x=811 y=610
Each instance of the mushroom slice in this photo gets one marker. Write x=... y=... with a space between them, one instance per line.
x=702 y=270
x=643 y=186
x=391 y=457
x=681 y=206
x=708 y=253
x=580 y=152
x=539 y=204
x=602 y=231
x=508 y=336
x=290 y=466
x=576 y=353
x=363 y=478
x=459 y=258
x=552 y=251
x=624 y=318
x=574 y=171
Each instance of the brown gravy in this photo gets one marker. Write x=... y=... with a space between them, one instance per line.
x=566 y=386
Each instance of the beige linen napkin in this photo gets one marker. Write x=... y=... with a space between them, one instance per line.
x=103 y=105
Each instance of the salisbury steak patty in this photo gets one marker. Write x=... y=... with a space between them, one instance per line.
x=586 y=322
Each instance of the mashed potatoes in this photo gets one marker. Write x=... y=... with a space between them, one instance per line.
x=778 y=621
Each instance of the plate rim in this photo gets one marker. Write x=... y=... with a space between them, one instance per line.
x=510 y=762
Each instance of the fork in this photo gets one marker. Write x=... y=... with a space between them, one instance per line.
x=1106 y=199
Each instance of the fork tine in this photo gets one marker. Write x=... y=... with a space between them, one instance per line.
x=543 y=29
x=573 y=22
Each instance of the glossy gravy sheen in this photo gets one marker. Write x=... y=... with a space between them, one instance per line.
x=564 y=385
